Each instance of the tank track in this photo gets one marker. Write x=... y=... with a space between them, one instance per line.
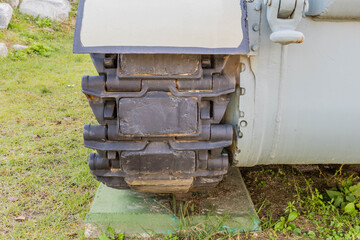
x=160 y=120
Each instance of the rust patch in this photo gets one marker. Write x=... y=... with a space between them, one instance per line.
x=163 y=186
x=301 y=40
x=90 y=97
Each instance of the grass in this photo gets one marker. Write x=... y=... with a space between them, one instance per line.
x=46 y=187
x=302 y=207
x=45 y=184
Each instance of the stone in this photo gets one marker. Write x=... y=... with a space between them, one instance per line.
x=48 y=29
x=54 y=9
x=19 y=47
x=3 y=50
x=13 y=3
x=6 y=12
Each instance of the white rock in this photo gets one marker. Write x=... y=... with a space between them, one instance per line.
x=19 y=47
x=13 y=3
x=6 y=12
x=54 y=9
x=3 y=50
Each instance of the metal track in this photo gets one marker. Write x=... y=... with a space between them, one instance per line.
x=160 y=120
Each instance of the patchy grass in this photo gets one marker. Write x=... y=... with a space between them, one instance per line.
x=293 y=202
x=45 y=185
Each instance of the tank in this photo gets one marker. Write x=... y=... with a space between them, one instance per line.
x=185 y=89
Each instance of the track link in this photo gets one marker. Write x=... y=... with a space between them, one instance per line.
x=159 y=120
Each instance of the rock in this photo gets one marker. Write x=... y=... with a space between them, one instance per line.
x=6 y=12
x=19 y=47
x=48 y=29
x=3 y=50
x=13 y=3
x=54 y=9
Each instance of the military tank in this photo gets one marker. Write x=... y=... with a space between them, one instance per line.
x=187 y=88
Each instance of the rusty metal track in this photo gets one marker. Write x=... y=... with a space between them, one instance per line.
x=160 y=121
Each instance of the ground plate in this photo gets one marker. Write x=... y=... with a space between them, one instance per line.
x=137 y=213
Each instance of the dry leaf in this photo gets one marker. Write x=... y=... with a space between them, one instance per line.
x=13 y=199
x=20 y=218
x=72 y=234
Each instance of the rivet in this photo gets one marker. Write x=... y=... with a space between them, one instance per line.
x=243 y=123
x=254 y=47
x=255 y=27
x=242 y=91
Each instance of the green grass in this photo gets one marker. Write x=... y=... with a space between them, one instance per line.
x=46 y=187
x=43 y=165
x=301 y=208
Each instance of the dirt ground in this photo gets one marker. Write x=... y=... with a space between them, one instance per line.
x=275 y=184
x=271 y=189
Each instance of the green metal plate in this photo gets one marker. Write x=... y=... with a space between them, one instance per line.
x=137 y=213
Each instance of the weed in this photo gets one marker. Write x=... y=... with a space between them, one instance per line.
x=17 y=55
x=285 y=223
x=182 y=208
x=171 y=236
x=73 y=12
x=325 y=215
x=15 y=26
x=43 y=22
x=37 y=49
x=111 y=235
x=262 y=184
x=45 y=90
x=40 y=49
x=346 y=196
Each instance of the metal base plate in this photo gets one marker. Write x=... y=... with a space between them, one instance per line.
x=132 y=213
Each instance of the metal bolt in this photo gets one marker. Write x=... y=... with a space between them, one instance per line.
x=109 y=62
x=206 y=62
x=255 y=27
x=254 y=47
x=243 y=123
x=242 y=91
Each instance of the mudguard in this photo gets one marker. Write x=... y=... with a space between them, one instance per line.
x=162 y=26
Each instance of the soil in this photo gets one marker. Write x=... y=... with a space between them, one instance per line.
x=271 y=188
x=278 y=184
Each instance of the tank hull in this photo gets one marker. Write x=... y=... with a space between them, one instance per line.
x=182 y=93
